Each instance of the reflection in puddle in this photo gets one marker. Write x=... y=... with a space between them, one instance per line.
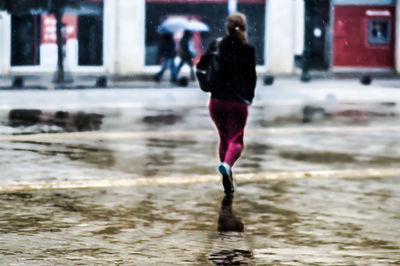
x=302 y=222
x=351 y=111
x=229 y=225
x=327 y=157
x=67 y=121
x=231 y=257
x=228 y=220
x=317 y=157
x=162 y=117
x=91 y=154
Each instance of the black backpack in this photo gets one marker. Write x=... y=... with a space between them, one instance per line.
x=208 y=67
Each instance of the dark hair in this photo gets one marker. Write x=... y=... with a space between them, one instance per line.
x=236 y=26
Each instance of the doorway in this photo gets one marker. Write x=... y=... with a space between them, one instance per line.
x=317 y=38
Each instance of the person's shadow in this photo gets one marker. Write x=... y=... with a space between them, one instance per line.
x=229 y=222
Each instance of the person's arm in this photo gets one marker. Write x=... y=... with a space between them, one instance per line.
x=252 y=74
x=212 y=47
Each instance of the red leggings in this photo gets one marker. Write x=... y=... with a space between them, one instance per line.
x=230 y=119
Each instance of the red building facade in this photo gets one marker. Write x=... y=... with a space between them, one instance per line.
x=364 y=35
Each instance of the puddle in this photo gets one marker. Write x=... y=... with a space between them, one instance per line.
x=310 y=221
x=296 y=222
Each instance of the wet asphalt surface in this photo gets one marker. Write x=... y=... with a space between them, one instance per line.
x=283 y=222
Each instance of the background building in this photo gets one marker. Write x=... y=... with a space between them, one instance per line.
x=119 y=37
x=28 y=41
x=338 y=35
x=375 y=25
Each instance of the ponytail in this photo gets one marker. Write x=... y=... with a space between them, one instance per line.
x=236 y=26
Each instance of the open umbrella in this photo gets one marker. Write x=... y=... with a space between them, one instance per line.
x=173 y=24
x=195 y=25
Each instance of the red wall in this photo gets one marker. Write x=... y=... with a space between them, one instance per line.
x=351 y=47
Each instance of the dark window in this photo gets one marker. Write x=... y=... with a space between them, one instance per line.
x=90 y=41
x=379 y=32
x=90 y=34
x=25 y=40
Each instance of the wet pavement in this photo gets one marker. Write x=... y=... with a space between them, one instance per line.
x=96 y=158
x=313 y=222
x=307 y=221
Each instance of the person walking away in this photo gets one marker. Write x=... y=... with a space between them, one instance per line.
x=186 y=53
x=232 y=94
x=167 y=54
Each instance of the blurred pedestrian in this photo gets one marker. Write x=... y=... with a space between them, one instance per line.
x=186 y=53
x=167 y=54
x=233 y=94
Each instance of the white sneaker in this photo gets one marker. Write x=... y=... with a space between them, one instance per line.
x=227 y=180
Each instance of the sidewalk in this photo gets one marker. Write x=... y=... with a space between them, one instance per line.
x=328 y=81
x=126 y=91
x=79 y=81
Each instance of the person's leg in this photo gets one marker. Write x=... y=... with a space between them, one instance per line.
x=190 y=63
x=172 y=69
x=223 y=147
x=234 y=149
x=236 y=122
x=218 y=115
x=230 y=130
x=164 y=66
x=179 y=68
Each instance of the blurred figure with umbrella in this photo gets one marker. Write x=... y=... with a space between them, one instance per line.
x=167 y=54
x=166 y=48
x=186 y=53
x=187 y=49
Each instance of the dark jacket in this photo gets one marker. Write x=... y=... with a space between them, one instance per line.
x=166 y=48
x=184 y=44
x=237 y=71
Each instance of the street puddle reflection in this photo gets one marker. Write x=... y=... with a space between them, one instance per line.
x=228 y=220
x=350 y=111
x=168 y=118
x=231 y=257
x=92 y=154
x=331 y=158
x=230 y=228
x=30 y=121
x=302 y=222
